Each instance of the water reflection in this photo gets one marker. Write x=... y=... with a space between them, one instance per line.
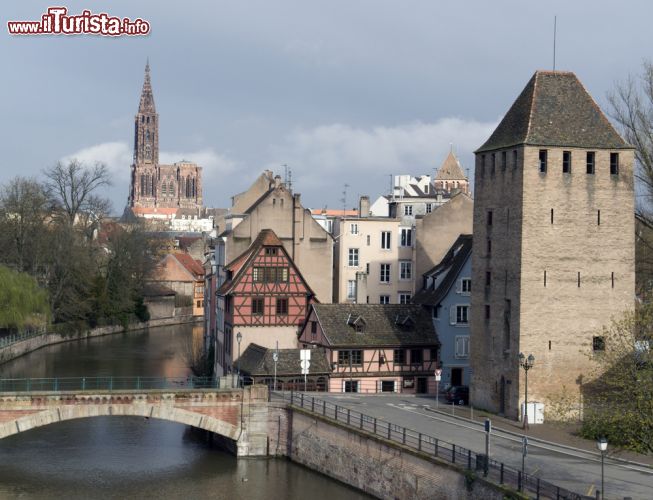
x=131 y=457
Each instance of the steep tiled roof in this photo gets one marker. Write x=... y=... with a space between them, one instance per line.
x=450 y=169
x=384 y=325
x=258 y=361
x=554 y=109
x=267 y=237
x=192 y=265
x=452 y=263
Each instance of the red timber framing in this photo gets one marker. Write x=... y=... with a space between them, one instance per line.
x=266 y=288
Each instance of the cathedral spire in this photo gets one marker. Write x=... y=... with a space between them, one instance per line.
x=147 y=98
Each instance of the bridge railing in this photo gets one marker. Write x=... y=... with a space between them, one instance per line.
x=451 y=452
x=62 y=384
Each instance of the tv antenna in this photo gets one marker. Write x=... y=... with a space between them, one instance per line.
x=344 y=200
x=555 y=23
x=287 y=174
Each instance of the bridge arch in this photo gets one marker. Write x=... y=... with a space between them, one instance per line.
x=14 y=420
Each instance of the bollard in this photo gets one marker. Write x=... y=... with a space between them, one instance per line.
x=453 y=453
x=374 y=425
x=403 y=437
x=324 y=408
x=501 y=477
x=419 y=442
x=435 y=448
x=389 y=430
x=348 y=416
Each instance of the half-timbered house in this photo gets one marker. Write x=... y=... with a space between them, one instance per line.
x=266 y=298
x=375 y=347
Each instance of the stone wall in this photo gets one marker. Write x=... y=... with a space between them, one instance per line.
x=371 y=464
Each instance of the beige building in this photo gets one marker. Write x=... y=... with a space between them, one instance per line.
x=268 y=204
x=381 y=260
x=437 y=231
x=553 y=250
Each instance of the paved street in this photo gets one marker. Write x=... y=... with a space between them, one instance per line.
x=572 y=468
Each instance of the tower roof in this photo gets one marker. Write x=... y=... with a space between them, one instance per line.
x=450 y=169
x=146 y=104
x=555 y=109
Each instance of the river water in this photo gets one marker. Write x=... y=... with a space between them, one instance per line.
x=130 y=457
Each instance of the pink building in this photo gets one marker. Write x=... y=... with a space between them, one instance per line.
x=375 y=348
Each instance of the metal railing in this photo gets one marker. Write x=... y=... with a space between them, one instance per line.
x=495 y=471
x=8 y=340
x=61 y=384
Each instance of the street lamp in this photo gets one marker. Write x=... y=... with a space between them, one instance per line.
x=526 y=363
x=602 y=445
x=239 y=337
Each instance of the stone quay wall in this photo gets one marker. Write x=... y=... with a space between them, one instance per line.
x=369 y=463
x=30 y=344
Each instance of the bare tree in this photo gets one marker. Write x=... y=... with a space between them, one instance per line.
x=24 y=210
x=74 y=188
x=631 y=106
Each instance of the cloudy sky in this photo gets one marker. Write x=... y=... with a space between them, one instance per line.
x=342 y=91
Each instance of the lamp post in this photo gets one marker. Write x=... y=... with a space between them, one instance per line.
x=602 y=445
x=239 y=337
x=275 y=358
x=526 y=363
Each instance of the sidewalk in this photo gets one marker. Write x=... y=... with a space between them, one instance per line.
x=559 y=433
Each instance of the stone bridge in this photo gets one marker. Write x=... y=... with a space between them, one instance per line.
x=239 y=415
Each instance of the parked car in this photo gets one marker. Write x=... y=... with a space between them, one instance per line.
x=458 y=395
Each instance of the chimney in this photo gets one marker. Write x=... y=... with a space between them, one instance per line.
x=364 y=206
x=277 y=181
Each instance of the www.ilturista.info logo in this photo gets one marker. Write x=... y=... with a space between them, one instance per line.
x=56 y=21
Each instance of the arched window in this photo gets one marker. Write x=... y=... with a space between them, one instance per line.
x=148 y=119
x=153 y=187
x=147 y=135
x=164 y=189
x=142 y=185
x=194 y=193
x=148 y=152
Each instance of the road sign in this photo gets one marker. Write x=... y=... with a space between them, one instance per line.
x=305 y=354
x=275 y=356
x=438 y=374
x=305 y=364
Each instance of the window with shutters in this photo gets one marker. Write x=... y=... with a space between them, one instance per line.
x=459 y=314
x=462 y=346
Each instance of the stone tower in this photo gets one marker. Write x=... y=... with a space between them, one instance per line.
x=154 y=185
x=553 y=251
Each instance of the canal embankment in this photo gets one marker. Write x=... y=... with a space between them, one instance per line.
x=29 y=344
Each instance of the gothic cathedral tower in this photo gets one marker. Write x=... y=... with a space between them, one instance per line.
x=154 y=185
x=146 y=149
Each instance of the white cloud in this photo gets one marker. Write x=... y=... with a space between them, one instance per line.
x=329 y=155
x=116 y=155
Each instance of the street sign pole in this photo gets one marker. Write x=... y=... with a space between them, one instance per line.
x=488 y=430
x=438 y=376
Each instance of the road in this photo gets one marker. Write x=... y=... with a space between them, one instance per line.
x=571 y=468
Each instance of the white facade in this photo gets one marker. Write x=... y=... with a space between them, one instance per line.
x=375 y=260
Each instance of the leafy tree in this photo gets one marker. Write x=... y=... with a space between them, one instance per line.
x=619 y=402
x=22 y=303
